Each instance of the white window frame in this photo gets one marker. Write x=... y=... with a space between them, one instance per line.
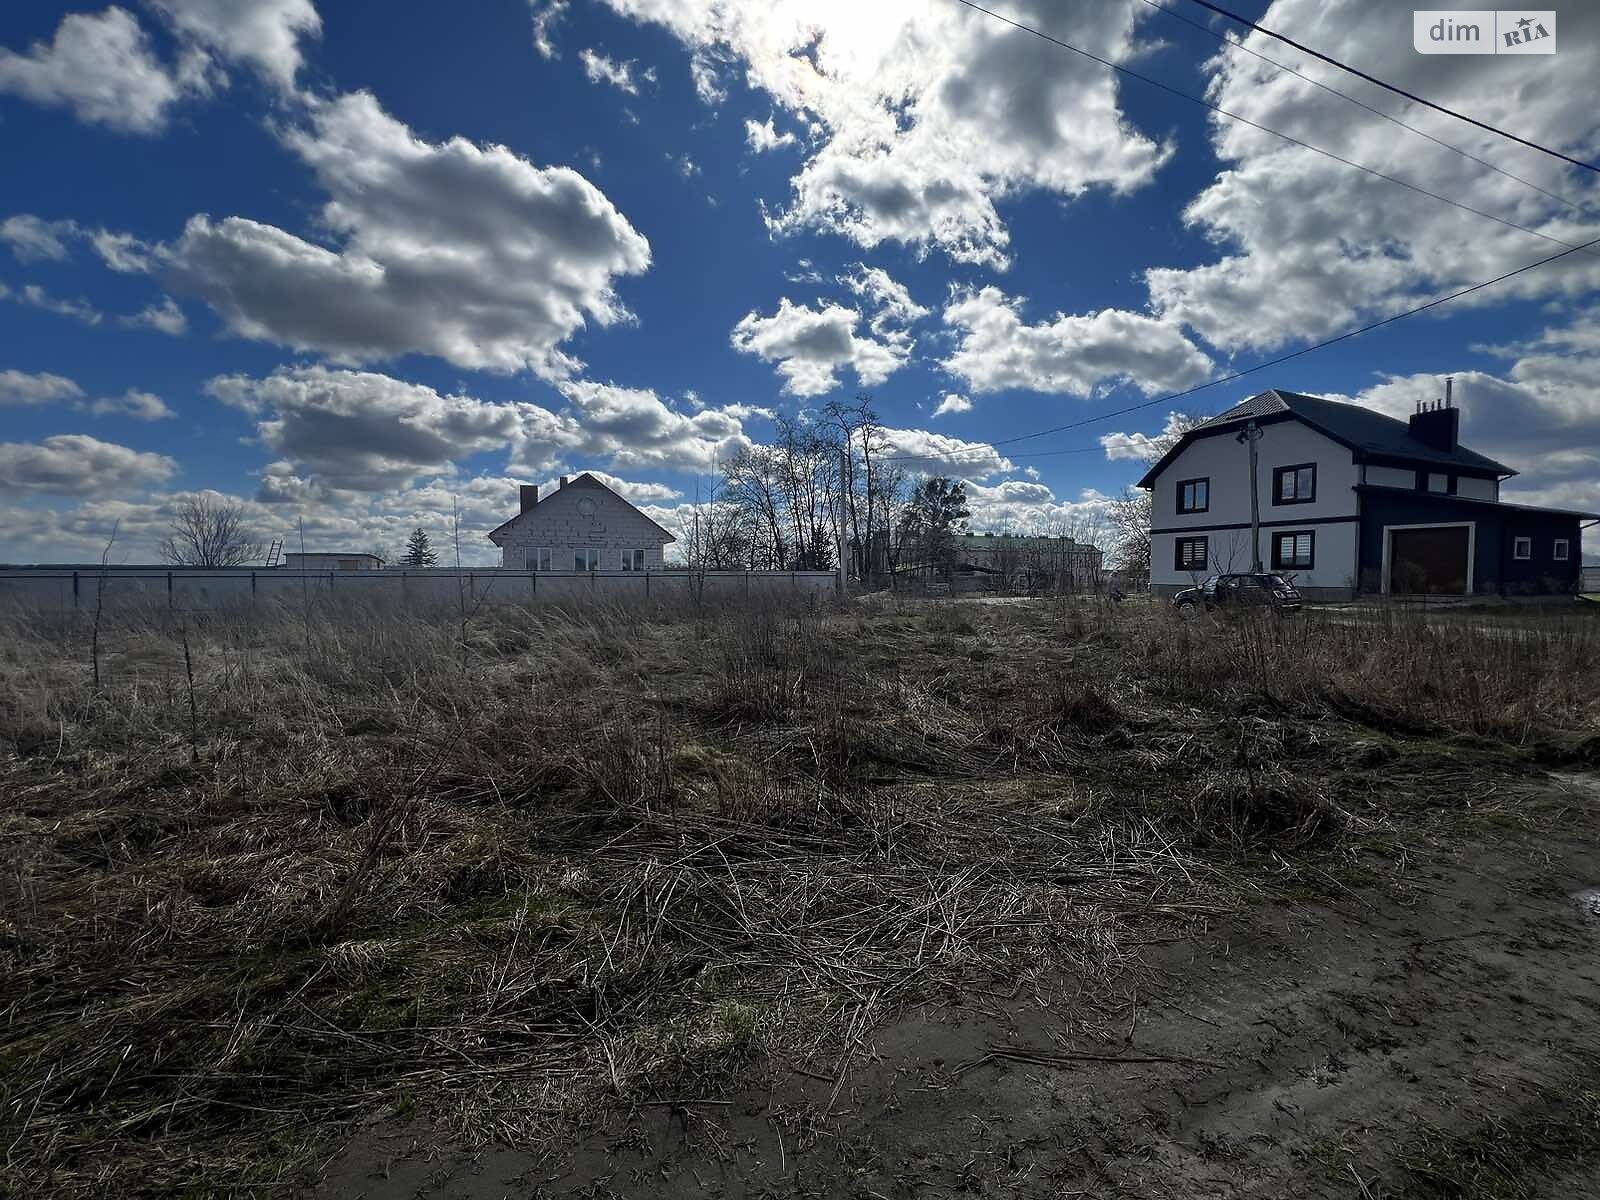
x=1521 y=549
x=591 y=558
x=634 y=559
x=541 y=559
x=1561 y=550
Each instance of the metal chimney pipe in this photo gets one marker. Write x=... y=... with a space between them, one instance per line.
x=1449 y=384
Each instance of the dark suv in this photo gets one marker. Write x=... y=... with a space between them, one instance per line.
x=1230 y=592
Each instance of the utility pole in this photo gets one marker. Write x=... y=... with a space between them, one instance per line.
x=1251 y=434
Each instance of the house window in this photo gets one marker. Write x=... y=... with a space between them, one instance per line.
x=1522 y=548
x=1189 y=554
x=541 y=560
x=633 y=560
x=1294 y=485
x=586 y=559
x=1558 y=549
x=1194 y=495
x=1294 y=551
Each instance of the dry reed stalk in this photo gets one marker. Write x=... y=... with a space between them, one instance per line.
x=527 y=884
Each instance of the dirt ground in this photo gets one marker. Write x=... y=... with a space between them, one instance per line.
x=1433 y=1032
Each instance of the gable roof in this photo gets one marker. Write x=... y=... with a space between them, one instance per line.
x=587 y=480
x=1369 y=434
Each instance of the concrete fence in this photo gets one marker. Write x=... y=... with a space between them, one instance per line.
x=189 y=588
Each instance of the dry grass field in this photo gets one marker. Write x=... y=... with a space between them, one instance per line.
x=630 y=898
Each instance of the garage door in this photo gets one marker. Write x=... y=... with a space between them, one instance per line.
x=1429 y=562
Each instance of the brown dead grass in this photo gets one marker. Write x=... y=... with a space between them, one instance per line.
x=575 y=861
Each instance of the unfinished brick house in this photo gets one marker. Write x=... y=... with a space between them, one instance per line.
x=580 y=526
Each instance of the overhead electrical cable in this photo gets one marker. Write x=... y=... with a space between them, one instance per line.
x=1243 y=120
x=1398 y=91
x=1436 y=302
x=1167 y=9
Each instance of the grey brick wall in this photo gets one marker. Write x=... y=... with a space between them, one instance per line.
x=557 y=523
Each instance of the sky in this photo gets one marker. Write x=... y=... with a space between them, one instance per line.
x=360 y=266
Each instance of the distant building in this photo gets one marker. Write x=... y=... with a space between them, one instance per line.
x=580 y=526
x=1032 y=562
x=333 y=561
x=1351 y=501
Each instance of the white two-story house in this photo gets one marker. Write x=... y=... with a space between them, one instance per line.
x=582 y=525
x=1350 y=501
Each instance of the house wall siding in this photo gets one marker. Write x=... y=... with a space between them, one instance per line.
x=1332 y=576
x=1494 y=569
x=1226 y=462
x=1390 y=477
x=556 y=524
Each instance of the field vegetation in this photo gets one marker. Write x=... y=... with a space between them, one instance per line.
x=266 y=876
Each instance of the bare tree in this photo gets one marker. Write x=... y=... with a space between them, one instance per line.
x=1129 y=514
x=209 y=531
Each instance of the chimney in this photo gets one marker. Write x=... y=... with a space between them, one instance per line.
x=1438 y=424
x=563 y=481
x=529 y=494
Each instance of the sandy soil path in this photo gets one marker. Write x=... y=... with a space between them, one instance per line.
x=1441 y=1038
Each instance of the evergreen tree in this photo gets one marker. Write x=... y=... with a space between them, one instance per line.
x=934 y=514
x=419 y=551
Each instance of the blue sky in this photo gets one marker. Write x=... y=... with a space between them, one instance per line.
x=354 y=264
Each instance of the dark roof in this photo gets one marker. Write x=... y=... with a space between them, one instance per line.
x=1540 y=509
x=591 y=481
x=1370 y=434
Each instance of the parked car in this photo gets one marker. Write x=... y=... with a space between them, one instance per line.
x=1238 y=591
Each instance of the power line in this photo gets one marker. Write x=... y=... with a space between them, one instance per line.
x=1260 y=366
x=1359 y=103
x=1360 y=74
x=1233 y=116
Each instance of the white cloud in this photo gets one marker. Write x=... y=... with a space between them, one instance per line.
x=1071 y=355
x=262 y=33
x=891 y=299
x=1308 y=246
x=141 y=406
x=101 y=66
x=1027 y=507
x=635 y=493
x=122 y=252
x=19 y=388
x=1540 y=417
x=926 y=114
x=164 y=317
x=339 y=431
x=34 y=296
x=379 y=522
x=764 y=136
x=810 y=344
x=74 y=464
x=925 y=453
x=601 y=69
x=1145 y=447
x=633 y=428
x=952 y=403
x=546 y=14
x=364 y=432
x=497 y=284
x=32 y=238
